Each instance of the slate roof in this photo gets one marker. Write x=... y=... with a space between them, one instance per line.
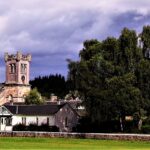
x=34 y=109
x=72 y=103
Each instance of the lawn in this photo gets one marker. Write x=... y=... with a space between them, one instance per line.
x=70 y=144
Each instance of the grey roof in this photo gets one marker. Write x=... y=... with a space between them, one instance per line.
x=34 y=109
x=73 y=103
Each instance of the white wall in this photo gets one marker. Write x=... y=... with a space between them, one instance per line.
x=33 y=120
x=16 y=120
x=3 y=126
x=8 y=128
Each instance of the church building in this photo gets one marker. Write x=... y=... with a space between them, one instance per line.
x=16 y=86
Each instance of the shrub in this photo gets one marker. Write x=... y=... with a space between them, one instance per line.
x=129 y=126
x=146 y=128
x=32 y=127
x=19 y=127
x=34 y=97
x=54 y=129
x=45 y=127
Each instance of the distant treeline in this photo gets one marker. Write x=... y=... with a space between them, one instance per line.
x=51 y=84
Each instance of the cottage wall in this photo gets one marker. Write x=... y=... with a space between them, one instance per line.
x=27 y=120
x=66 y=118
x=5 y=128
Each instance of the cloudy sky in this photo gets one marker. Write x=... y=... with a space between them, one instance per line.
x=54 y=30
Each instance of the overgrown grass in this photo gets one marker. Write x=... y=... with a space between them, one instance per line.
x=70 y=144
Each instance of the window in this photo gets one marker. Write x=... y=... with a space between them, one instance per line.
x=12 y=68
x=8 y=121
x=23 y=79
x=2 y=121
x=24 y=120
x=23 y=68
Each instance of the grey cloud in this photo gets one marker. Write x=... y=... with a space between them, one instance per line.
x=55 y=30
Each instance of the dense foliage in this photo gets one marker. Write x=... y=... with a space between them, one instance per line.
x=52 y=84
x=34 y=97
x=34 y=127
x=113 y=77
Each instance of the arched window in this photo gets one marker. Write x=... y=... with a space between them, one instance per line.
x=23 y=79
x=12 y=68
x=23 y=68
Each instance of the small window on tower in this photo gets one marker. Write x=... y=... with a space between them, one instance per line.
x=23 y=68
x=23 y=79
x=12 y=68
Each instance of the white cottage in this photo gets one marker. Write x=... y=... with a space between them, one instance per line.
x=63 y=116
x=5 y=119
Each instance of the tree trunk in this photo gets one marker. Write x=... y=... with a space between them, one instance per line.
x=140 y=124
x=121 y=124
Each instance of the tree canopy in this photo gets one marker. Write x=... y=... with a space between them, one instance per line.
x=52 y=84
x=113 y=76
x=34 y=97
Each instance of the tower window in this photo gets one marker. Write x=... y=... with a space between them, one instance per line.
x=23 y=79
x=23 y=68
x=12 y=68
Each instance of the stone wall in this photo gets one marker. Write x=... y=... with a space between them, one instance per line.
x=66 y=118
x=18 y=92
x=101 y=136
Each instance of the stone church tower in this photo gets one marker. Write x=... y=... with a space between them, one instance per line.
x=16 y=86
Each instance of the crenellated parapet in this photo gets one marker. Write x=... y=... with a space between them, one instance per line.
x=19 y=56
x=17 y=68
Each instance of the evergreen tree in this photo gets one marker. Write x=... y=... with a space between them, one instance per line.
x=113 y=76
x=47 y=85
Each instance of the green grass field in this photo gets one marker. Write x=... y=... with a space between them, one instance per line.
x=70 y=144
